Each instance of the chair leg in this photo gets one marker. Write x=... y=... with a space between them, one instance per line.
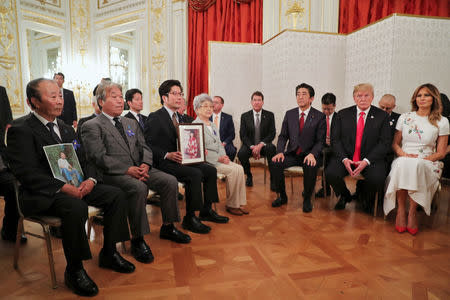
x=124 y=247
x=89 y=227
x=215 y=206
x=292 y=185
x=20 y=230
x=51 y=263
x=375 y=205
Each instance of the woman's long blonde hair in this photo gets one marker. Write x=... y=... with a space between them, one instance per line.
x=436 y=107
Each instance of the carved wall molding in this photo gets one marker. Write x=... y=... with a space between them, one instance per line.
x=119 y=9
x=10 y=60
x=44 y=21
x=42 y=8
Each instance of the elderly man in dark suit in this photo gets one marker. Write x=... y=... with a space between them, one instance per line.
x=185 y=118
x=69 y=112
x=41 y=193
x=117 y=147
x=360 y=139
x=224 y=122
x=133 y=97
x=304 y=127
x=257 y=133
x=161 y=135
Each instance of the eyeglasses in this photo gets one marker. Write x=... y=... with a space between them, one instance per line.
x=176 y=94
x=207 y=106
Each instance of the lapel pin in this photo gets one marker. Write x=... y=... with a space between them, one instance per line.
x=371 y=117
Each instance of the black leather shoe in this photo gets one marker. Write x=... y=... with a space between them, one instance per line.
x=180 y=197
x=320 y=194
x=141 y=252
x=115 y=262
x=12 y=237
x=212 y=216
x=192 y=223
x=56 y=232
x=341 y=203
x=307 y=207
x=279 y=201
x=249 y=181
x=80 y=283
x=171 y=233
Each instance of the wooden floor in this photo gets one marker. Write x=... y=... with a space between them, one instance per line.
x=274 y=253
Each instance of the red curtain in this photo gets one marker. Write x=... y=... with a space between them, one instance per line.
x=225 y=20
x=354 y=14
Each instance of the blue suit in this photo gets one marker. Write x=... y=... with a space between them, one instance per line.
x=227 y=134
x=310 y=141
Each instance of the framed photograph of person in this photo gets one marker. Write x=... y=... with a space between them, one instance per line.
x=64 y=163
x=191 y=143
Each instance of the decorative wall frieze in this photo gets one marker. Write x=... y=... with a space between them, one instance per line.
x=118 y=8
x=36 y=6
x=10 y=60
x=43 y=21
x=56 y=3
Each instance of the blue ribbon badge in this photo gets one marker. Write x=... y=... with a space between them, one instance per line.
x=130 y=132
x=76 y=144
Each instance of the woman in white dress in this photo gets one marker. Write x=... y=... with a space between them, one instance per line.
x=235 y=180
x=420 y=141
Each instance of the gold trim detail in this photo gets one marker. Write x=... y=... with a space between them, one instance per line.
x=106 y=3
x=122 y=21
x=56 y=3
x=120 y=16
x=43 y=21
x=26 y=11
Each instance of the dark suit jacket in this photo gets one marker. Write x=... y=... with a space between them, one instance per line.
x=227 y=132
x=376 y=138
x=69 y=112
x=5 y=113
x=81 y=122
x=267 y=127
x=393 y=118
x=129 y=115
x=29 y=164
x=185 y=118
x=160 y=134
x=312 y=138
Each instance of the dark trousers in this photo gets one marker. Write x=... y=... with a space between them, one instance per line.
x=193 y=176
x=446 y=170
x=291 y=159
x=245 y=153
x=74 y=213
x=374 y=174
x=11 y=214
x=327 y=153
x=230 y=150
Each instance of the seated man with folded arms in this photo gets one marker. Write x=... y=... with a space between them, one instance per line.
x=304 y=128
x=116 y=146
x=41 y=193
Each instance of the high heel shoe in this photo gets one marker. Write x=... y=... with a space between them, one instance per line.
x=412 y=231
x=400 y=229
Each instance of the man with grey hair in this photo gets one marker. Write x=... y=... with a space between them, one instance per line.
x=117 y=147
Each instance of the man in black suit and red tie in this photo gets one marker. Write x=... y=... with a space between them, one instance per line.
x=304 y=127
x=328 y=108
x=224 y=122
x=360 y=139
x=133 y=97
x=69 y=112
x=257 y=133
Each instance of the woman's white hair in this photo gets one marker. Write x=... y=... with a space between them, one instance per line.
x=200 y=99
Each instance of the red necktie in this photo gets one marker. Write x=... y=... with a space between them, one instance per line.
x=301 y=124
x=359 y=134
x=328 y=126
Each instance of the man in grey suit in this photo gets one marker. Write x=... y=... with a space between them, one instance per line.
x=117 y=147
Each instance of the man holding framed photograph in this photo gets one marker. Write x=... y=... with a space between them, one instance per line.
x=161 y=134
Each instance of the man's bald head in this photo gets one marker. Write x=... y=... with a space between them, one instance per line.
x=387 y=103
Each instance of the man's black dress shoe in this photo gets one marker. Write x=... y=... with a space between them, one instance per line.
x=115 y=262
x=192 y=223
x=249 y=181
x=341 y=203
x=180 y=196
x=141 y=252
x=279 y=201
x=12 y=237
x=80 y=283
x=307 y=207
x=56 y=232
x=320 y=193
x=171 y=233
x=212 y=216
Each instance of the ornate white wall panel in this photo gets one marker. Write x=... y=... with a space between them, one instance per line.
x=236 y=72
x=420 y=55
x=369 y=59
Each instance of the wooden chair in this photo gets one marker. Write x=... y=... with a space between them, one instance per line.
x=45 y=222
x=298 y=171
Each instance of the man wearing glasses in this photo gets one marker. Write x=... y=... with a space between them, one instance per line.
x=161 y=135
